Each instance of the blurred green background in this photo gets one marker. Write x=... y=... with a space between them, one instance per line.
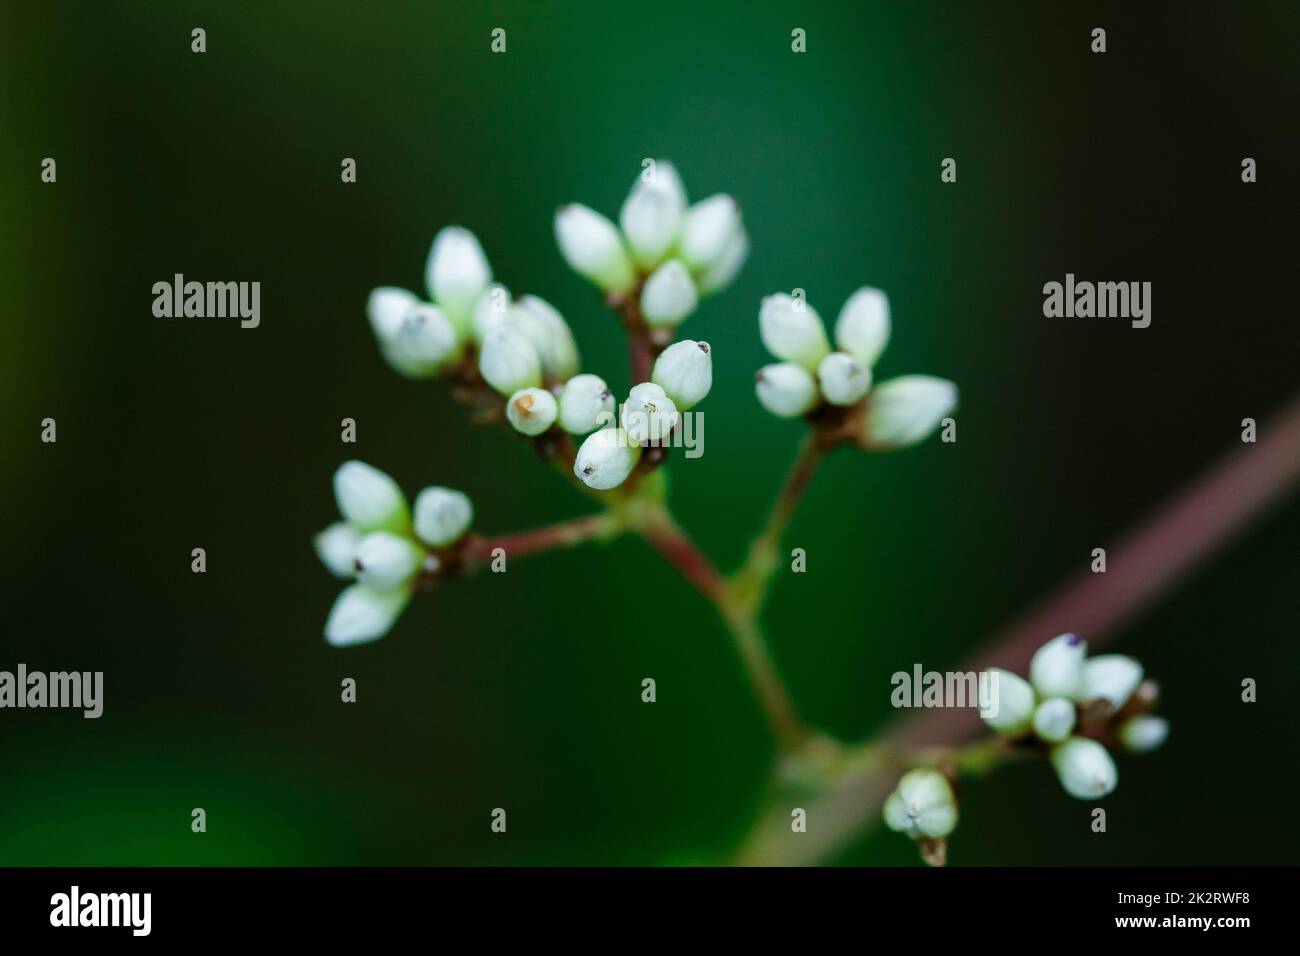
x=522 y=690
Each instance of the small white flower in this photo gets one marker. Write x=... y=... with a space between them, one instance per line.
x=532 y=410
x=362 y=613
x=843 y=379
x=545 y=328
x=1113 y=677
x=684 y=371
x=442 y=515
x=508 y=361
x=922 y=806
x=1084 y=767
x=1056 y=669
x=1054 y=719
x=786 y=390
x=606 y=458
x=648 y=415
x=385 y=560
x=708 y=231
x=1143 y=733
x=585 y=403
x=491 y=309
x=792 y=331
x=386 y=308
x=1014 y=705
x=426 y=340
x=456 y=273
x=719 y=275
x=669 y=295
x=862 y=328
x=337 y=548
x=369 y=499
x=652 y=214
x=593 y=247
x=906 y=410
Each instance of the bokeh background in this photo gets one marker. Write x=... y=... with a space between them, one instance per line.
x=522 y=690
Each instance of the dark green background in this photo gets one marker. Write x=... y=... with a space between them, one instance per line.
x=522 y=690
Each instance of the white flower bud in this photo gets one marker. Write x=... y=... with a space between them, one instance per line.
x=532 y=410
x=922 y=806
x=843 y=379
x=1143 y=733
x=386 y=308
x=652 y=214
x=442 y=515
x=1056 y=669
x=457 y=271
x=606 y=458
x=491 y=309
x=593 y=248
x=684 y=371
x=906 y=410
x=668 y=296
x=585 y=403
x=786 y=390
x=362 y=613
x=337 y=548
x=708 y=231
x=720 y=274
x=1084 y=767
x=425 y=342
x=549 y=334
x=507 y=361
x=1112 y=677
x=1054 y=719
x=385 y=560
x=862 y=329
x=648 y=415
x=1013 y=708
x=792 y=331
x=369 y=499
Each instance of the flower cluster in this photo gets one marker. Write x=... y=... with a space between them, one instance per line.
x=1071 y=703
x=1071 y=706
x=810 y=376
x=664 y=251
x=380 y=545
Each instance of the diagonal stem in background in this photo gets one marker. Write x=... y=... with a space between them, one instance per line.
x=1200 y=520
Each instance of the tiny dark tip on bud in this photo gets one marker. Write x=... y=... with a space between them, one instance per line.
x=1073 y=640
x=605 y=394
x=758 y=376
x=588 y=470
x=356 y=565
x=704 y=347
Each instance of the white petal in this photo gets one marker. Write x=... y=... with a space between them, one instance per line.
x=843 y=379
x=710 y=227
x=385 y=560
x=786 y=390
x=532 y=410
x=1143 y=733
x=792 y=330
x=593 y=247
x=648 y=415
x=1054 y=719
x=549 y=334
x=586 y=403
x=442 y=515
x=668 y=296
x=906 y=410
x=606 y=458
x=684 y=371
x=369 y=499
x=1056 y=669
x=1012 y=704
x=1113 y=677
x=337 y=548
x=457 y=273
x=651 y=216
x=862 y=329
x=1084 y=767
x=508 y=361
x=362 y=614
